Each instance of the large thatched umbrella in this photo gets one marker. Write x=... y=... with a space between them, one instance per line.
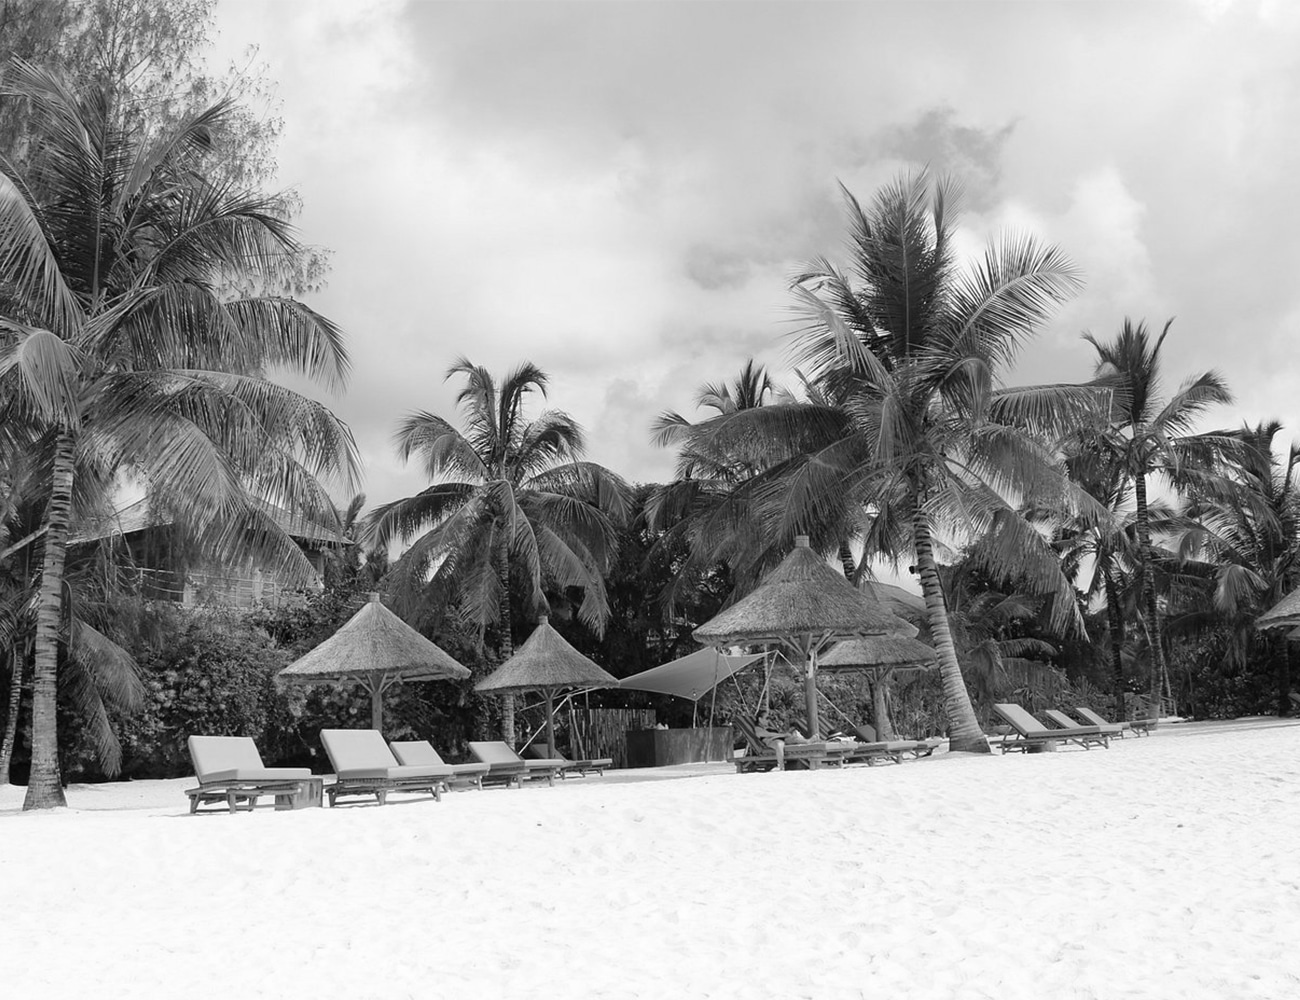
x=879 y=656
x=804 y=606
x=547 y=664
x=376 y=649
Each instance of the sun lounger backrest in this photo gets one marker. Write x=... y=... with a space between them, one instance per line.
x=352 y=749
x=1063 y=720
x=536 y=751
x=494 y=752
x=415 y=752
x=211 y=754
x=1019 y=719
x=1090 y=717
x=866 y=734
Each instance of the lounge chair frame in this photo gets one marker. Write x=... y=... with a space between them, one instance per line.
x=572 y=768
x=761 y=757
x=378 y=779
x=512 y=772
x=1138 y=727
x=1029 y=738
x=290 y=786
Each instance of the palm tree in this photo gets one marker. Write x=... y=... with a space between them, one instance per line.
x=512 y=506
x=1145 y=437
x=123 y=346
x=1244 y=536
x=911 y=429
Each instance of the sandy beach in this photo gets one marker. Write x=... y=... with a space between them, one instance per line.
x=1164 y=867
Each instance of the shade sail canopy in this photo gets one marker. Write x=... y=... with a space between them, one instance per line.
x=692 y=676
x=1285 y=612
x=883 y=652
x=376 y=649
x=802 y=596
x=546 y=663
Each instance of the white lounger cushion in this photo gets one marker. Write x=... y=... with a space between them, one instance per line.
x=235 y=758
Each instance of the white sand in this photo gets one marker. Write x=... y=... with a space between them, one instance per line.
x=1164 y=867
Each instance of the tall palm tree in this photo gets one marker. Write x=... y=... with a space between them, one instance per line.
x=124 y=346
x=1145 y=437
x=512 y=505
x=1244 y=538
x=912 y=428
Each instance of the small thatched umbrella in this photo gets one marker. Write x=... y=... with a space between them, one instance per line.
x=376 y=649
x=879 y=656
x=547 y=664
x=1285 y=612
x=803 y=605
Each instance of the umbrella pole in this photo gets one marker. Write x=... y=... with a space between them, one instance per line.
x=376 y=707
x=550 y=724
x=810 y=693
x=884 y=730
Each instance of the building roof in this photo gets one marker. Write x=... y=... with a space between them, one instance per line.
x=138 y=516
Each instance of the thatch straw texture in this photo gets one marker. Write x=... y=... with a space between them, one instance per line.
x=882 y=651
x=546 y=663
x=375 y=644
x=1284 y=612
x=802 y=596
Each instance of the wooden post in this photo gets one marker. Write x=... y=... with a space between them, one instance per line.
x=376 y=707
x=810 y=693
x=550 y=722
x=879 y=710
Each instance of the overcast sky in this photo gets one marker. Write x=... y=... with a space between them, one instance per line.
x=620 y=192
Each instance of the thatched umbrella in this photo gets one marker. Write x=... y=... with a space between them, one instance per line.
x=547 y=664
x=376 y=649
x=879 y=656
x=804 y=606
x=1285 y=612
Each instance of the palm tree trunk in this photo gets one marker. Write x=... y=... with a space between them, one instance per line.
x=1159 y=669
x=44 y=788
x=846 y=561
x=1115 y=620
x=964 y=733
x=11 y=718
x=505 y=642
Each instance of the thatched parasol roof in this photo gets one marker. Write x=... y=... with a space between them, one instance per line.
x=1284 y=612
x=374 y=645
x=883 y=651
x=546 y=663
x=802 y=596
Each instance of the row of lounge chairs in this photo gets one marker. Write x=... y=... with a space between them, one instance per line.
x=1029 y=735
x=230 y=770
x=861 y=747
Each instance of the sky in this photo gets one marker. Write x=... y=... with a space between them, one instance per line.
x=620 y=192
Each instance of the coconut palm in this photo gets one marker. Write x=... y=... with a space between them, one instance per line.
x=122 y=345
x=911 y=429
x=512 y=505
x=1145 y=437
x=1243 y=541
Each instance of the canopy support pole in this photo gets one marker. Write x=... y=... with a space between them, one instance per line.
x=550 y=723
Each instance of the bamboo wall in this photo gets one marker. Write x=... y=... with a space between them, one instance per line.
x=602 y=732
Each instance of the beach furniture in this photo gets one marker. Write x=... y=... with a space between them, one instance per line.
x=592 y=765
x=363 y=765
x=917 y=748
x=1062 y=721
x=1138 y=727
x=506 y=766
x=1031 y=736
x=419 y=752
x=759 y=756
x=230 y=770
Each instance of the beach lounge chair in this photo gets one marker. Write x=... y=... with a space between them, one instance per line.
x=230 y=770
x=1138 y=727
x=363 y=765
x=420 y=752
x=592 y=765
x=1031 y=736
x=1062 y=721
x=759 y=756
x=917 y=748
x=507 y=766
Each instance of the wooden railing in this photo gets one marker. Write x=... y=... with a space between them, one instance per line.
x=602 y=732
